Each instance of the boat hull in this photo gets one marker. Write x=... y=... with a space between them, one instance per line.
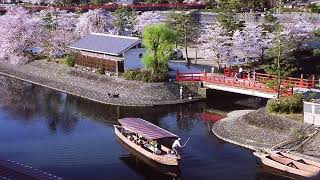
x=273 y=164
x=165 y=160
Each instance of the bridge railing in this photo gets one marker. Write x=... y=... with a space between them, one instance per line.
x=288 y=81
x=259 y=83
x=264 y=78
x=113 y=7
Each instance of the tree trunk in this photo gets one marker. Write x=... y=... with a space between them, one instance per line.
x=195 y=61
x=186 y=46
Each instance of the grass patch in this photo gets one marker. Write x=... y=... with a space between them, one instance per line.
x=286 y=105
x=144 y=75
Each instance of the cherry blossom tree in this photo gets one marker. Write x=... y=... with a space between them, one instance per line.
x=300 y=29
x=19 y=31
x=250 y=42
x=215 y=44
x=97 y=20
x=58 y=31
x=147 y=18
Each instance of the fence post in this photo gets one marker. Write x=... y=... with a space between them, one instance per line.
x=177 y=75
x=301 y=80
x=313 y=85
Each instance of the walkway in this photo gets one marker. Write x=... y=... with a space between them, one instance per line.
x=253 y=85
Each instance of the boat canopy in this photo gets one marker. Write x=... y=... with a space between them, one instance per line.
x=145 y=128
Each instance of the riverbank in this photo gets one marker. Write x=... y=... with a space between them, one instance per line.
x=95 y=87
x=258 y=130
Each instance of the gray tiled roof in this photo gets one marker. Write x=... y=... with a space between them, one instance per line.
x=104 y=43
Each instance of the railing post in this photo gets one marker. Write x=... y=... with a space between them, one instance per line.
x=313 y=85
x=177 y=75
x=301 y=80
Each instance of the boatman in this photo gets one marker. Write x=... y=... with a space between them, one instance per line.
x=176 y=144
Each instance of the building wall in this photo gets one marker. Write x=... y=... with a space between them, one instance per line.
x=132 y=58
x=311 y=112
x=96 y=62
x=102 y=56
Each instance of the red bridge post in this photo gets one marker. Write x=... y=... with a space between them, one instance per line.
x=313 y=83
x=177 y=75
x=301 y=81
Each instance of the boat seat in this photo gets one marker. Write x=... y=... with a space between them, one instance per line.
x=295 y=164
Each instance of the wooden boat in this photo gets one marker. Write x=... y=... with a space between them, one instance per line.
x=145 y=166
x=289 y=163
x=136 y=127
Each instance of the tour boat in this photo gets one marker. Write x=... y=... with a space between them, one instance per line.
x=138 y=134
x=289 y=163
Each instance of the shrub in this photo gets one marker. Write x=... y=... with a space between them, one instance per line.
x=297 y=134
x=316 y=52
x=144 y=75
x=70 y=60
x=287 y=105
x=101 y=71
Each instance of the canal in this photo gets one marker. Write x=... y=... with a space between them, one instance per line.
x=73 y=138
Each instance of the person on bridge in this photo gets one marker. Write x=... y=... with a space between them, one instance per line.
x=240 y=72
x=176 y=145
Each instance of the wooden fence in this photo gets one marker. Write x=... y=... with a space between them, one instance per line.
x=94 y=62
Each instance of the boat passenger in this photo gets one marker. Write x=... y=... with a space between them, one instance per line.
x=176 y=144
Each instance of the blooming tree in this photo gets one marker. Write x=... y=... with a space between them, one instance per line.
x=147 y=18
x=300 y=29
x=58 y=31
x=215 y=44
x=250 y=42
x=97 y=20
x=19 y=31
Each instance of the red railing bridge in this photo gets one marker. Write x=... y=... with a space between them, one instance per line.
x=113 y=7
x=251 y=84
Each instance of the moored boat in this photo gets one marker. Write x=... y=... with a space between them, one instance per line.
x=289 y=163
x=145 y=137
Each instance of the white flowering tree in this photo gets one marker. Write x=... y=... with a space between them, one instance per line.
x=58 y=31
x=19 y=31
x=300 y=29
x=250 y=42
x=97 y=20
x=147 y=18
x=214 y=44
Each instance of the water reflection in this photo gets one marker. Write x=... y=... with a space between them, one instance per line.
x=27 y=102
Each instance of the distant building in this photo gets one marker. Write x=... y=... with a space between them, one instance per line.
x=127 y=1
x=111 y=52
x=311 y=112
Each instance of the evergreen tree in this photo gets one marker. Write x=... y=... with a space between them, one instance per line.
x=280 y=57
x=185 y=27
x=124 y=20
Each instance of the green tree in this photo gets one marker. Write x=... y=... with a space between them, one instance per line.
x=159 y=42
x=49 y=25
x=316 y=52
x=226 y=16
x=233 y=5
x=124 y=19
x=280 y=57
x=185 y=27
x=270 y=23
x=313 y=8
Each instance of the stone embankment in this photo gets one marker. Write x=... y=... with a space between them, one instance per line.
x=258 y=130
x=100 y=88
